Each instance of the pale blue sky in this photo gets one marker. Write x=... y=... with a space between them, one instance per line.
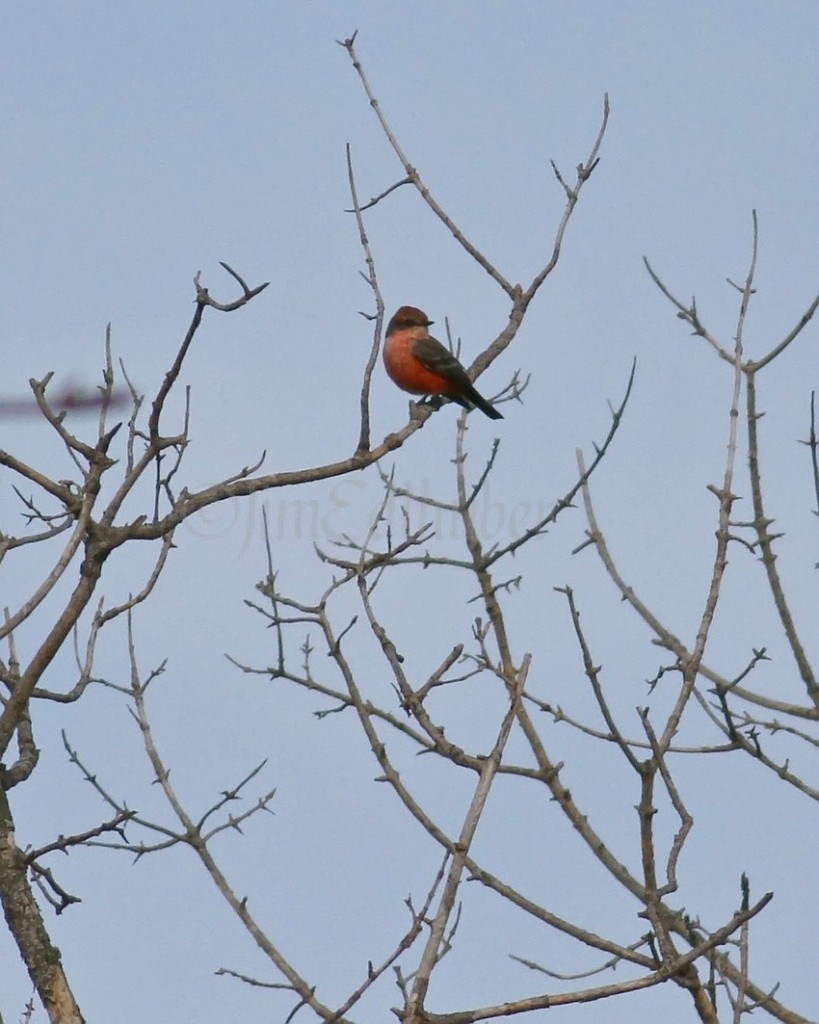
x=144 y=142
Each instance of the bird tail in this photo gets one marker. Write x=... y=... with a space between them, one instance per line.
x=481 y=403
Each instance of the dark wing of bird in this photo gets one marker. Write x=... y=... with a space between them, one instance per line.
x=439 y=359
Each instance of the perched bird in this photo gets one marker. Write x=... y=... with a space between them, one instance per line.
x=420 y=364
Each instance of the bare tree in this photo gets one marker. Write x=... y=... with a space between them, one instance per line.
x=141 y=463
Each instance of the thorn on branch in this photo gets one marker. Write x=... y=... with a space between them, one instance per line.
x=53 y=892
x=570 y=192
x=745 y=888
x=377 y=199
x=203 y=295
x=348 y=43
x=584 y=172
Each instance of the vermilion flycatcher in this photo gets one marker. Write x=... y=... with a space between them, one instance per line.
x=418 y=363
